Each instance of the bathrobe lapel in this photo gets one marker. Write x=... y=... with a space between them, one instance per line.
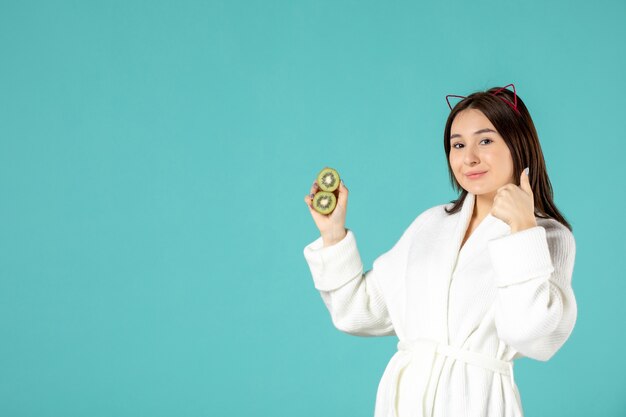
x=455 y=257
x=445 y=258
x=425 y=266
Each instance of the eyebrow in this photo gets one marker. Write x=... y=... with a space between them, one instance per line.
x=478 y=132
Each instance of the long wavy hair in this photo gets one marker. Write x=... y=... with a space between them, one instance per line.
x=520 y=135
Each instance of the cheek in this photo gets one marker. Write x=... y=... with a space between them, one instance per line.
x=495 y=160
x=454 y=162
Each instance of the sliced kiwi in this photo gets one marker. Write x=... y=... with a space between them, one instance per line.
x=324 y=202
x=328 y=179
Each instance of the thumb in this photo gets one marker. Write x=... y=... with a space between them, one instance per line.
x=524 y=181
x=343 y=194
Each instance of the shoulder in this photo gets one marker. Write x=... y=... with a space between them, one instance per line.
x=560 y=239
x=556 y=232
x=435 y=212
x=409 y=236
x=430 y=215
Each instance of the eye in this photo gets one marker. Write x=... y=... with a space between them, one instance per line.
x=459 y=143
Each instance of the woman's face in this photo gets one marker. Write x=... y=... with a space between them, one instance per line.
x=475 y=146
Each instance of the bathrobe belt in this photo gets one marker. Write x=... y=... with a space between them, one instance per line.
x=428 y=348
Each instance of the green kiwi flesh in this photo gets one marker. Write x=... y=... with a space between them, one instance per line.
x=328 y=179
x=324 y=202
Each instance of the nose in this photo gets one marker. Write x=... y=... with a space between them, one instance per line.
x=470 y=156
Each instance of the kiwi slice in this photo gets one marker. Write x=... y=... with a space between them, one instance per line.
x=328 y=179
x=324 y=202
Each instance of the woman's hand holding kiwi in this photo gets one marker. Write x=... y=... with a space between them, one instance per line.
x=329 y=195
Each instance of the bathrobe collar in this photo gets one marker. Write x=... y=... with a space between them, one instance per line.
x=489 y=228
x=445 y=258
x=429 y=260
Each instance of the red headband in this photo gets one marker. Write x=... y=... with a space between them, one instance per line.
x=513 y=105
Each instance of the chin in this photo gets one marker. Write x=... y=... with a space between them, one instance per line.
x=478 y=190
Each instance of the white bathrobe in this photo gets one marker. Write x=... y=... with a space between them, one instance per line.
x=461 y=317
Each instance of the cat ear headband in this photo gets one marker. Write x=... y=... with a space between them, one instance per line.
x=513 y=105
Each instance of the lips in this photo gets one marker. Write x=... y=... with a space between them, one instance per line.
x=476 y=174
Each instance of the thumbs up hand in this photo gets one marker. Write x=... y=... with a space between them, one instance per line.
x=515 y=205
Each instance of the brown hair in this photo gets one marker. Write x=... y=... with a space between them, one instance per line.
x=520 y=135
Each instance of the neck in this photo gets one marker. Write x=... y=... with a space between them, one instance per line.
x=482 y=205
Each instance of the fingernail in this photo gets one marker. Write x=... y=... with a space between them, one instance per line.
x=527 y=170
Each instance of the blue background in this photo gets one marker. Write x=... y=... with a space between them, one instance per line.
x=154 y=157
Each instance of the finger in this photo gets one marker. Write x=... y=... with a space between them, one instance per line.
x=525 y=182
x=308 y=199
x=314 y=189
x=317 y=216
x=309 y=202
x=342 y=199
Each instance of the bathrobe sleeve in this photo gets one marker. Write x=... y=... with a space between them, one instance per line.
x=535 y=306
x=354 y=298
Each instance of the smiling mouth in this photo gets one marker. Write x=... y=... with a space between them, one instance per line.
x=477 y=175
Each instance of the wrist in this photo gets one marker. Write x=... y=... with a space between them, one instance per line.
x=334 y=237
x=518 y=227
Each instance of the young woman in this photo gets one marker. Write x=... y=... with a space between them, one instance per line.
x=470 y=286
